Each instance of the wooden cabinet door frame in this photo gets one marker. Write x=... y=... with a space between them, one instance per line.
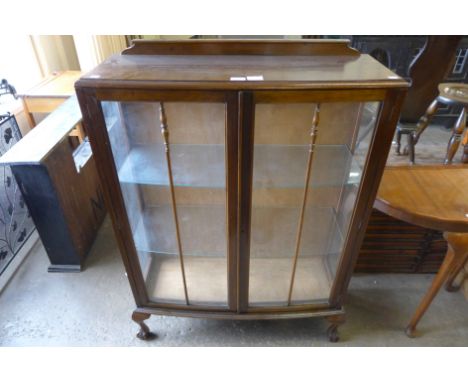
x=93 y=119
x=375 y=160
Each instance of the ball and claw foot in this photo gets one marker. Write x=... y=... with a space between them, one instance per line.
x=332 y=333
x=144 y=334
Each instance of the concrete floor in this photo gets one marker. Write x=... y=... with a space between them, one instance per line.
x=93 y=308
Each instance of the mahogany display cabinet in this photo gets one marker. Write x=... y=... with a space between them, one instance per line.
x=240 y=175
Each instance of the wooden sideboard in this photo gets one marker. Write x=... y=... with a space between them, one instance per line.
x=60 y=186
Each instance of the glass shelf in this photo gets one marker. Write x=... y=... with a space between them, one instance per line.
x=204 y=254
x=154 y=233
x=203 y=166
x=201 y=227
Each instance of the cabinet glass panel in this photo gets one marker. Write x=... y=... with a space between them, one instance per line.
x=308 y=162
x=176 y=198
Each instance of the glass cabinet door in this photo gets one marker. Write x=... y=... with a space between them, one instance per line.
x=307 y=165
x=171 y=165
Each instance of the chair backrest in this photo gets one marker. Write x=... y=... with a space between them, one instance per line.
x=429 y=68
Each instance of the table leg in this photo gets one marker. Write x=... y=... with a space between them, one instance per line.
x=455 y=139
x=28 y=114
x=460 y=247
x=456 y=253
x=80 y=132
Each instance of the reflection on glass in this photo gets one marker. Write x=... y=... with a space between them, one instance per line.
x=188 y=264
x=303 y=196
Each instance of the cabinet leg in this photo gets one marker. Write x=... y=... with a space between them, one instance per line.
x=332 y=331
x=144 y=333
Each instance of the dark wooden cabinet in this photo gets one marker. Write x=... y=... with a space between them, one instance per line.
x=60 y=187
x=240 y=175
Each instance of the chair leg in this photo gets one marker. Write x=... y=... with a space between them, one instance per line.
x=398 y=142
x=455 y=139
x=464 y=158
x=411 y=147
x=424 y=120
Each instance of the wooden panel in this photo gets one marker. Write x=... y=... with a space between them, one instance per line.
x=154 y=195
x=191 y=123
x=279 y=123
x=43 y=204
x=242 y=47
x=246 y=149
x=66 y=206
x=289 y=124
x=79 y=195
x=43 y=105
x=221 y=72
x=323 y=196
x=392 y=245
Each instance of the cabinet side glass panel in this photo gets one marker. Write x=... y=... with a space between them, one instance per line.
x=307 y=166
x=175 y=200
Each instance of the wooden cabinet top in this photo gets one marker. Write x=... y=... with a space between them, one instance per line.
x=250 y=64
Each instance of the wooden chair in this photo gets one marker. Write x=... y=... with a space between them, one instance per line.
x=429 y=68
x=449 y=94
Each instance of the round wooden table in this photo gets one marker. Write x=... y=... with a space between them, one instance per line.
x=433 y=197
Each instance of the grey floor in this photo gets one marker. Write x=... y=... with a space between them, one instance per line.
x=93 y=308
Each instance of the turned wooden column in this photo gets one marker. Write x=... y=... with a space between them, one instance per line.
x=456 y=136
x=464 y=158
